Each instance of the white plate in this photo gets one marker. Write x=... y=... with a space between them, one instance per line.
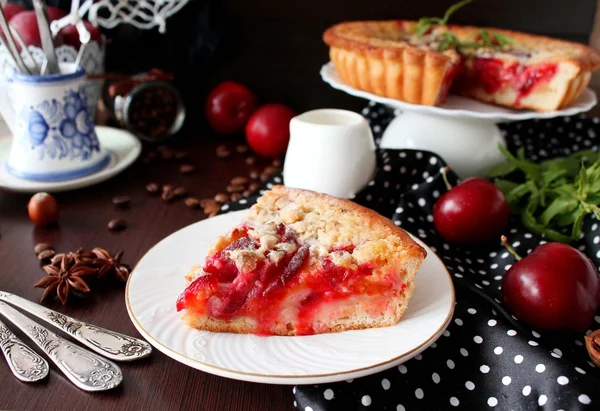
x=122 y=146
x=461 y=107
x=158 y=279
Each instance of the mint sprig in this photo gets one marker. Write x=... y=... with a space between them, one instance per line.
x=448 y=40
x=553 y=197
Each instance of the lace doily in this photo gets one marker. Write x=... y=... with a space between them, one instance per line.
x=143 y=14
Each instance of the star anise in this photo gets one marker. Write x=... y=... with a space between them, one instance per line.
x=62 y=279
x=79 y=256
x=110 y=266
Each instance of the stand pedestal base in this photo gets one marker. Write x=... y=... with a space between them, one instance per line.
x=469 y=146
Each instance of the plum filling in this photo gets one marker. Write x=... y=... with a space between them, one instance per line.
x=226 y=291
x=494 y=75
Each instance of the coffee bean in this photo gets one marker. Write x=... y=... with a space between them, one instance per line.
x=211 y=207
x=223 y=151
x=251 y=161
x=276 y=163
x=57 y=259
x=239 y=180
x=121 y=201
x=253 y=186
x=168 y=195
x=264 y=176
x=46 y=254
x=117 y=224
x=186 y=168
x=234 y=188
x=168 y=187
x=180 y=155
x=270 y=170
x=222 y=198
x=180 y=191
x=241 y=148
x=254 y=174
x=152 y=188
x=42 y=247
x=246 y=193
x=236 y=196
x=192 y=202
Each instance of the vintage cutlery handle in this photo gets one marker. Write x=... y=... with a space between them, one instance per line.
x=25 y=363
x=86 y=370
x=47 y=41
x=12 y=47
x=111 y=344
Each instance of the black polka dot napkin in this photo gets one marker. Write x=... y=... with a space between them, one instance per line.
x=486 y=359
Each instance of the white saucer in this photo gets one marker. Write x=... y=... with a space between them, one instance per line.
x=122 y=146
x=158 y=279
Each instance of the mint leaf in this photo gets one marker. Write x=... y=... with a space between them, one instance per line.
x=529 y=168
x=567 y=219
x=583 y=183
x=552 y=175
x=518 y=192
x=452 y=9
x=503 y=40
x=577 y=225
x=485 y=37
x=501 y=170
x=422 y=27
x=554 y=235
x=505 y=186
x=560 y=205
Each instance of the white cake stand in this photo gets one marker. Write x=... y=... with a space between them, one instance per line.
x=463 y=131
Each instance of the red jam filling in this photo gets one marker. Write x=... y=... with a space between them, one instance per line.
x=451 y=74
x=226 y=292
x=493 y=75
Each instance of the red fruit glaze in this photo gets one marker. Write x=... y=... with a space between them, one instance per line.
x=556 y=287
x=493 y=75
x=259 y=293
x=451 y=74
x=229 y=106
x=268 y=130
x=473 y=212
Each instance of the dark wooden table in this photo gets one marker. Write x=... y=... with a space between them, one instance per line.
x=158 y=382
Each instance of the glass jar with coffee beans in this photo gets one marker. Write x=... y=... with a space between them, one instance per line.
x=148 y=105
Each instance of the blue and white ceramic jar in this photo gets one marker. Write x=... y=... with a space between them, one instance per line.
x=54 y=137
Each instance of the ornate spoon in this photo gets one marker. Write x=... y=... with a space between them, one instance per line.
x=86 y=370
x=111 y=344
x=25 y=363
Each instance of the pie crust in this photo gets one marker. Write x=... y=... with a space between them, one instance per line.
x=385 y=58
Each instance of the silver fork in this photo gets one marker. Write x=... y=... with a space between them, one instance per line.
x=86 y=370
x=25 y=363
x=111 y=344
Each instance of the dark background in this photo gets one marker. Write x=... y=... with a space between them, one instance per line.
x=275 y=46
